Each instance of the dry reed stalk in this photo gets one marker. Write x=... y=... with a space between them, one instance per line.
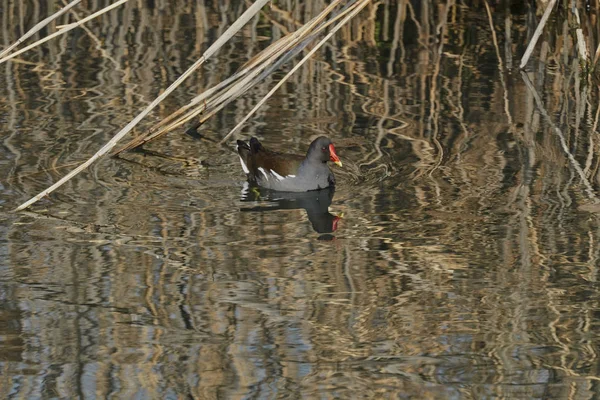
x=65 y=29
x=39 y=26
x=537 y=33
x=357 y=7
x=98 y=42
x=212 y=97
x=277 y=48
x=252 y=72
x=232 y=30
x=581 y=44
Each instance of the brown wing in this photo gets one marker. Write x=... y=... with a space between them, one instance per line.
x=255 y=156
x=283 y=164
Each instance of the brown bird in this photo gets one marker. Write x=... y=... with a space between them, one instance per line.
x=289 y=172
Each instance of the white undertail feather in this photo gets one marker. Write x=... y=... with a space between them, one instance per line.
x=246 y=170
x=244 y=167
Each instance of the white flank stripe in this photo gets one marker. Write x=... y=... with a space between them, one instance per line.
x=272 y=174
x=279 y=177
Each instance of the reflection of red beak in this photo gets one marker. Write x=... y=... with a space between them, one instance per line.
x=334 y=157
x=334 y=224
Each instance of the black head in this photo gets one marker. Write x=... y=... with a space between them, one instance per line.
x=322 y=149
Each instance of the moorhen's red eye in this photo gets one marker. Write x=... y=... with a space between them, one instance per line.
x=324 y=148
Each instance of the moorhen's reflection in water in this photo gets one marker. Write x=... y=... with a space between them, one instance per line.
x=316 y=203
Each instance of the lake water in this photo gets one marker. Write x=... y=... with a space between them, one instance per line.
x=457 y=258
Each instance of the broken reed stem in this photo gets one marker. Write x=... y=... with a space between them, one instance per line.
x=232 y=30
x=357 y=8
x=65 y=29
x=537 y=33
x=39 y=26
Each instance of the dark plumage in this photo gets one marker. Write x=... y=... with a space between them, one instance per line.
x=289 y=172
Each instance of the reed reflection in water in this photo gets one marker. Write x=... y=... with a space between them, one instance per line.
x=465 y=264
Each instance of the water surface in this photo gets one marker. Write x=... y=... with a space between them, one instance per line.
x=463 y=261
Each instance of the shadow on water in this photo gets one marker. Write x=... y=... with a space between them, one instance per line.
x=316 y=204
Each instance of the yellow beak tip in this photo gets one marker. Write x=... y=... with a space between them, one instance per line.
x=338 y=163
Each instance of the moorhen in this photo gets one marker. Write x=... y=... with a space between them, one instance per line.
x=289 y=172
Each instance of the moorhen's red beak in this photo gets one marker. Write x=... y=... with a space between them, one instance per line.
x=334 y=225
x=334 y=157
